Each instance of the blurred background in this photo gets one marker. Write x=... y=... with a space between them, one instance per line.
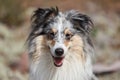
x=15 y=25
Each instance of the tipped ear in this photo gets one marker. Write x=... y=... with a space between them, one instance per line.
x=40 y=19
x=81 y=22
x=41 y=15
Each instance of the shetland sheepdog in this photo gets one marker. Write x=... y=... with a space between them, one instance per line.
x=59 y=45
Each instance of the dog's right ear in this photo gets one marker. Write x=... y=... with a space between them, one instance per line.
x=42 y=15
x=40 y=19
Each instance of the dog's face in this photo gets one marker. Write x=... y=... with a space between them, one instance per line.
x=59 y=36
x=59 y=30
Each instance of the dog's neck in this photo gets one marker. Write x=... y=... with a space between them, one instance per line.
x=44 y=69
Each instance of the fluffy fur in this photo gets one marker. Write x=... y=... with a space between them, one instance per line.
x=70 y=31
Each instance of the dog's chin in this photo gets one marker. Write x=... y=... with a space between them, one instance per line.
x=58 y=61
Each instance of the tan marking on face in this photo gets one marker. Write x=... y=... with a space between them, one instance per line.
x=67 y=31
x=54 y=30
x=52 y=42
x=77 y=47
x=66 y=42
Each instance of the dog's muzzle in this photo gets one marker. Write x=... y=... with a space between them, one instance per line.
x=58 y=59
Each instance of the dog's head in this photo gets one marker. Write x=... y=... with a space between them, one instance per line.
x=61 y=30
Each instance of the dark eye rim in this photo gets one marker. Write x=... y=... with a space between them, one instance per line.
x=68 y=36
x=51 y=35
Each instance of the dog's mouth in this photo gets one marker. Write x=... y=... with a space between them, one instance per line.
x=58 y=61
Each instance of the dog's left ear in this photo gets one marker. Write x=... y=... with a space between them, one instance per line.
x=81 y=22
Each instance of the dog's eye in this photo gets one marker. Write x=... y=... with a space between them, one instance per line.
x=68 y=36
x=51 y=35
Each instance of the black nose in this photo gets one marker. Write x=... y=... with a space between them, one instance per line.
x=59 y=51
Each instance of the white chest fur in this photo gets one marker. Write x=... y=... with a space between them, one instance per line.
x=44 y=69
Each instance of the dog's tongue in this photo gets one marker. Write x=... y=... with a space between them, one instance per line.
x=58 y=61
